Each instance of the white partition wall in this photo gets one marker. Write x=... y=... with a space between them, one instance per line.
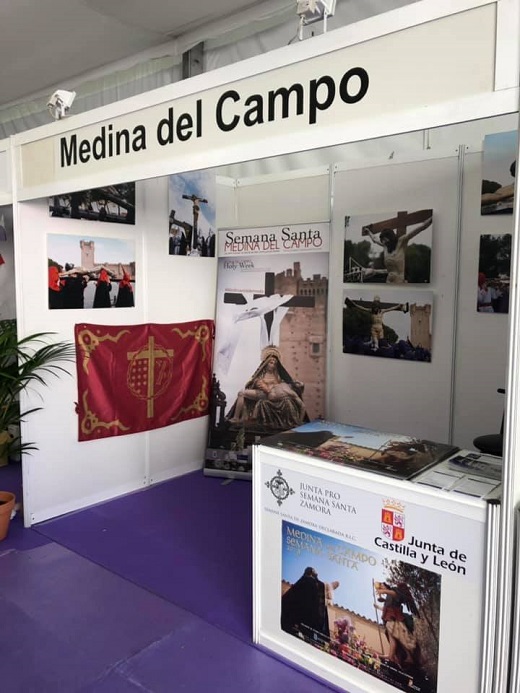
x=184 y=290
x=455 y=397
x=481 y=360
x=65 y=476
x=397 y=395
x=297 y=197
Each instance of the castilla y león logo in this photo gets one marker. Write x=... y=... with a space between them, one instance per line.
x=279 y=487
x=392 y=520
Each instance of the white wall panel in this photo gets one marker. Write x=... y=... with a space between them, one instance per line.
x=394 y=395
x=178 y=289
x=65 y=475
x=290 y=198
x=482 y=337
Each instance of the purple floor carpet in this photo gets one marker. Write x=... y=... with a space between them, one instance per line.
x=69 y=620
x=157 y=606
x=72 y=626
x=187 y=540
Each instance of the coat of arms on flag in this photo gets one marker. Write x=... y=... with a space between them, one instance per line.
x=134 y=378
x=392 y=520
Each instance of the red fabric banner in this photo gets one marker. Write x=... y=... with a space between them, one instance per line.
x=134 y=378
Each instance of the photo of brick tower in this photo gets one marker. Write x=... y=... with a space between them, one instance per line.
x=91 y=263
x=270 y=347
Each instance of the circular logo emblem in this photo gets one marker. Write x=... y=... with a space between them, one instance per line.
x=279 y=488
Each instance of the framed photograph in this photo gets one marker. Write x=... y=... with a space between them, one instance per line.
x=90 y=272
x=499 y=173
x=391 y=248
x=112 y=203
x=494 y=273
x=388 y=323
x=192 y=204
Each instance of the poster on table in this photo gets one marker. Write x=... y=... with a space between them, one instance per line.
x=364 y=587
x=270 y=341
x=193 y=209
x=390 y=323
x=391 y=248
x=499 y=173
x=390 y=454
x=112 y=203
x=494 y=273
x=90 y=272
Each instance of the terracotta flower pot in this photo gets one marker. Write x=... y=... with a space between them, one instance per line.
x=7 y=501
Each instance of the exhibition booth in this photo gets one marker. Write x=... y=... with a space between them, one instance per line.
x=313 y=150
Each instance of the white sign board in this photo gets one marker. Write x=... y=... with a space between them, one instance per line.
x=371 y=584
x=401 y=71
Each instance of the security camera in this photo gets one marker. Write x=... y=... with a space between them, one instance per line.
x=60 y=102
x=311 y=11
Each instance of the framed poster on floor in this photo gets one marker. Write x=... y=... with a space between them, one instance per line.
x=374 y=584
x=270 y=339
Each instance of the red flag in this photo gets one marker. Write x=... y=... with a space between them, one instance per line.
x=2 y=261
x=135 y=378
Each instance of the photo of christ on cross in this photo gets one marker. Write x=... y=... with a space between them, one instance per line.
x=392 y=323
x=391 y=248
x=192 y=214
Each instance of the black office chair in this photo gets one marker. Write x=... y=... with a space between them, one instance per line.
x=493 y=443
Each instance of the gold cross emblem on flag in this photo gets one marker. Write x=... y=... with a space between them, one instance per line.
x=149 y=372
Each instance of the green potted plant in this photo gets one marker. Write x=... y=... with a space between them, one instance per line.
x=23 y=362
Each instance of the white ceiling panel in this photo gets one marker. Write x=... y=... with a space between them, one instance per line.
x=172 y=18
x=47 y=42
x=44 y=43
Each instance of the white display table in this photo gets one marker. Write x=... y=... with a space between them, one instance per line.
x=318 y=523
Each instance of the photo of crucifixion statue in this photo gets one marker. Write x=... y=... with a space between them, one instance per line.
x=396 y=248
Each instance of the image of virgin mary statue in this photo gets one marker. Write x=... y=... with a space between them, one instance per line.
x=271 y=400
